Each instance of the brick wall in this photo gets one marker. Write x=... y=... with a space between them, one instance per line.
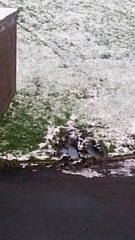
x=7 y=63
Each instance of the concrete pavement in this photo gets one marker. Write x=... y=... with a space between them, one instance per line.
x=49 y=205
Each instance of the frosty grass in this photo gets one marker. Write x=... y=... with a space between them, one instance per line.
x=74 y=57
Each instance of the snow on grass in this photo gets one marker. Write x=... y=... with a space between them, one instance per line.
x=24 y=125
x=81 y=54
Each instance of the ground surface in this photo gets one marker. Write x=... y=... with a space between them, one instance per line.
x=74 y=57
x=81 y=56
x=50 y=205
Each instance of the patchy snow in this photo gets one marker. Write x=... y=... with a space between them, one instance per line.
x=125 y=169
x=85 y=48
x=121 y=169
x=88 y=173
x=89 y=49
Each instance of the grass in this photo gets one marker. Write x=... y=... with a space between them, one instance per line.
x=88 y=25
x=25 y=123
x=22 y=128
x=105 y=56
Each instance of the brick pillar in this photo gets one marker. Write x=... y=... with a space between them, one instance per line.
x=8 y=26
